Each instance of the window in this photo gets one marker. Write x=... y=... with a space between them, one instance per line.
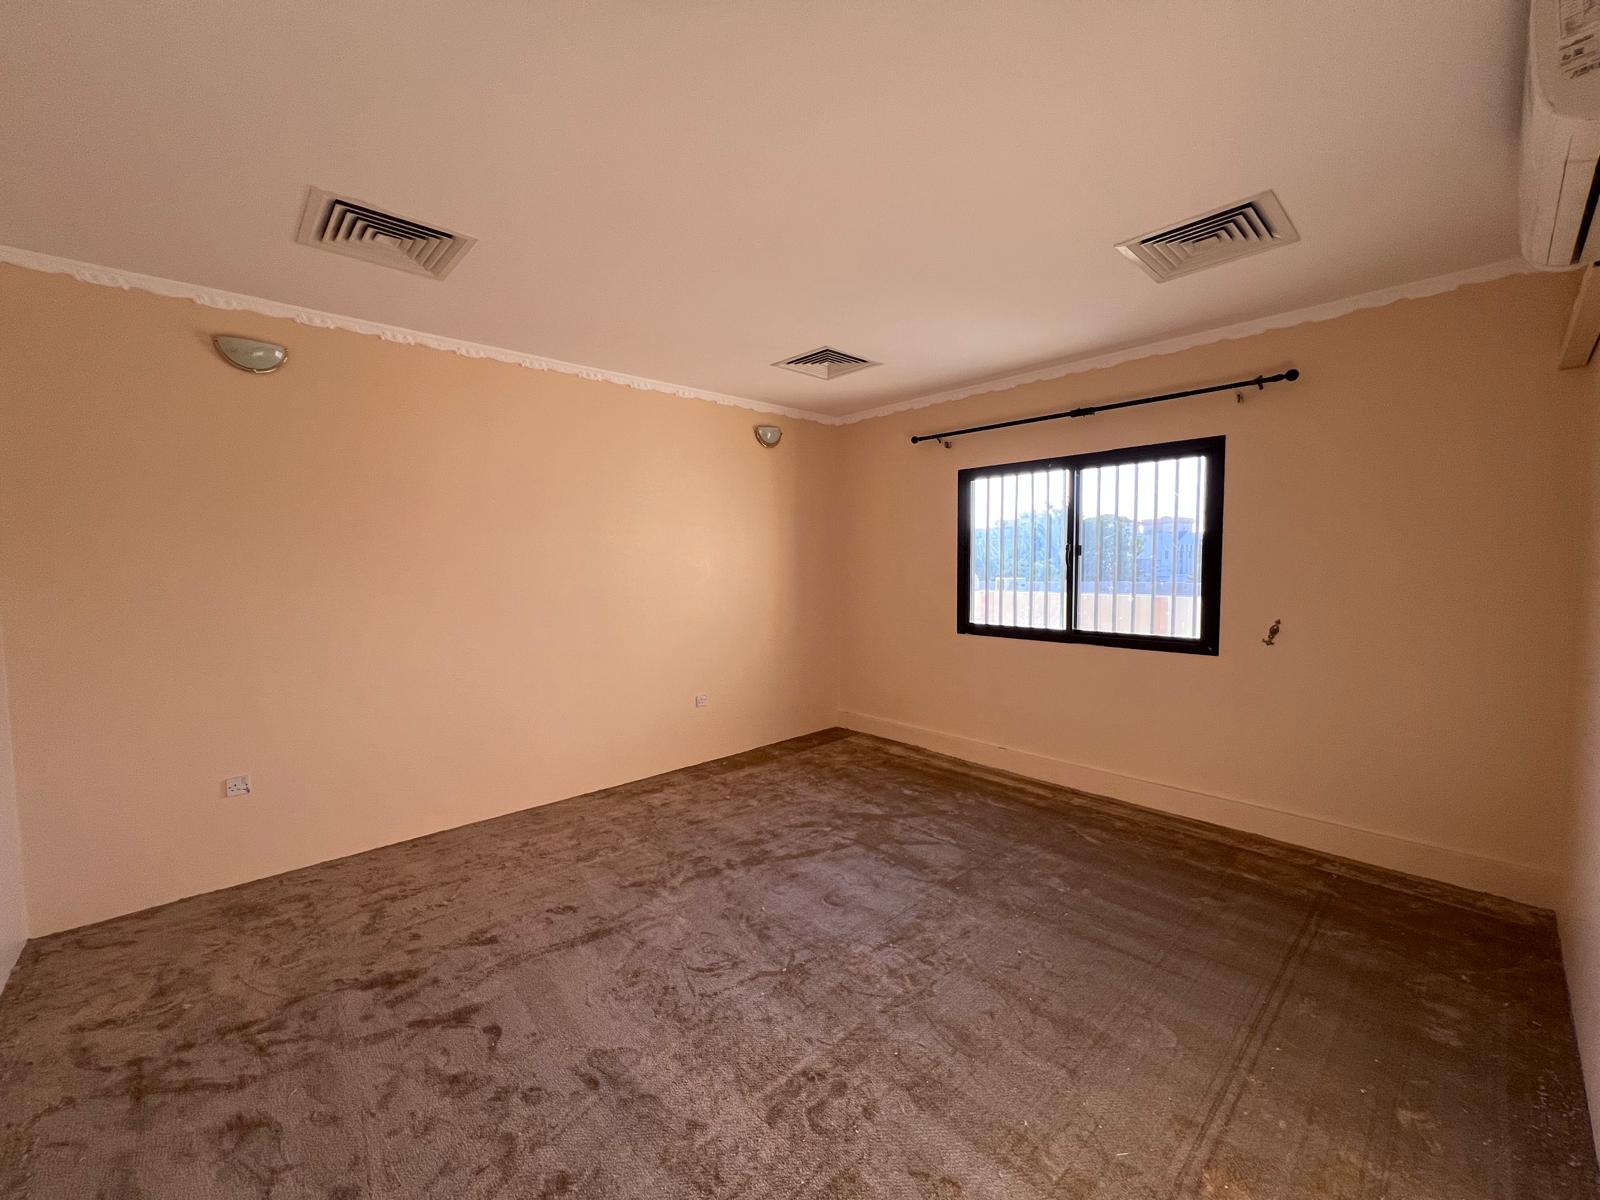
x=1119 y=548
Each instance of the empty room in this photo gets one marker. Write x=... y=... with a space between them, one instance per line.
x=948 y=601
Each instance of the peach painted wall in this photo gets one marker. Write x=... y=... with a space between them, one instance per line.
x=1580 y=909
x=406 y=590
x=1416 y=711
x=402 y=589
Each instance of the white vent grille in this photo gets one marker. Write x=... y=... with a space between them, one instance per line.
x=825 y=363
x=1213 y=238
x=346 y=226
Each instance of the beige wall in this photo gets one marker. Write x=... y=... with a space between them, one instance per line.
x=1580 y=909
x=1415 y=712
x=401 y=589
x=405 y=590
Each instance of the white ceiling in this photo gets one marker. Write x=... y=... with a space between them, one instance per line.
x=686 y=191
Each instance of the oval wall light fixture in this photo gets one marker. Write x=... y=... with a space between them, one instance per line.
x=259 y=358
x=768 y=435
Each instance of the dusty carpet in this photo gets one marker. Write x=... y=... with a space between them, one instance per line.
x=837 y=968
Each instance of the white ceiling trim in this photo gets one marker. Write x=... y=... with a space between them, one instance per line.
x=238 y=302
x=1417 y=290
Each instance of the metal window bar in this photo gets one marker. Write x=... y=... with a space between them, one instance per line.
x=1030 y=549
x=999 y=549
x=1076 y=557
x=1199 y=536
x=1100 y=564
x=988 y=551
x=1022 y=551
x=1049 y=544
x=1172 y=559
x=1069 y=545
x=1032 y=504
x=1069 y=540
x=1138 y=497
x=1058 y=560
x=1153 y=542
x=1048 y=550
x=978 y=608
x=998 y=494
x=996 y=516
x=1116 y=552
x=1041 y=605
x=1133 y=553
x=996 y=550
x=1011 y=564
x=1072 y=545
x=1019 y=607
x=1133 y=550
x=1019 y=613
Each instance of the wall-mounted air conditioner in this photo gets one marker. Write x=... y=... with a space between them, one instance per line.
x=1561 y=135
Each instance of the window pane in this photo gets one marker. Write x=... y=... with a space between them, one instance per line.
x=1016 y=560
x=1141 y=525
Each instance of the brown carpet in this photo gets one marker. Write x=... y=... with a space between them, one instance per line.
x=832 y=968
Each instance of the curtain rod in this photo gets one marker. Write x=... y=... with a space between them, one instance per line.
x=1259 y=382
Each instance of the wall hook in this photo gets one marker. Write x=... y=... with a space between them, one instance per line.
x=1272 y=634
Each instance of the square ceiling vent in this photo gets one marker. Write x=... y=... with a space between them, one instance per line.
x=345 y=226
x=825 y=362
x=1213 y=238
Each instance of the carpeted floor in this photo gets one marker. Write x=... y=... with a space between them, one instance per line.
x=834 y=968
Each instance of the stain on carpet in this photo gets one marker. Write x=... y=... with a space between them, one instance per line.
x=833 y=968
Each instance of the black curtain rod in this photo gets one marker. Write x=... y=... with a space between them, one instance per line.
x=1259 y=382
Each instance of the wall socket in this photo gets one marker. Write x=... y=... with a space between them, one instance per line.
x=702 y=700
x=239 y=785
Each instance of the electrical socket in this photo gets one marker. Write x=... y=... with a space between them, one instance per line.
x=701 y=700
x=239 y=785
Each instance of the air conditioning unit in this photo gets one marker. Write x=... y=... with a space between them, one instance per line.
x=1561 y=135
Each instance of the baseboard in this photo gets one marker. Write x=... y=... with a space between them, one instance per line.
x=1523 y=882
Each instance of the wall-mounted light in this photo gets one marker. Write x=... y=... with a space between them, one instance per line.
x=259 y=358
x=768 y=435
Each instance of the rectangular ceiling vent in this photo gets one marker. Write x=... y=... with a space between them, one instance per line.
x=346 y=226
x=825 y=363
x=1213 y=238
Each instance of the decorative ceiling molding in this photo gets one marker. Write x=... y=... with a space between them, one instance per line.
x=1418 y=290
x=237 y=302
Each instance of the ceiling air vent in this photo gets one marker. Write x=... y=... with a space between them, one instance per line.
x=346 y=226
x=825 y=363
x=1212 y=238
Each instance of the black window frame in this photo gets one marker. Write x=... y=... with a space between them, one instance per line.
x=1212 y=449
